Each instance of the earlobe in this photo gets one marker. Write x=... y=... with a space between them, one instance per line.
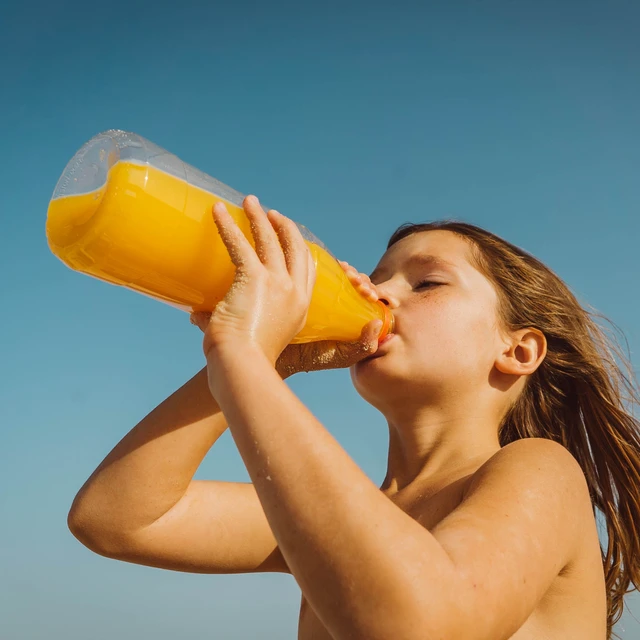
x=524 y=353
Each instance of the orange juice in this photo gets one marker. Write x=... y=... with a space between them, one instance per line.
x=153 y=232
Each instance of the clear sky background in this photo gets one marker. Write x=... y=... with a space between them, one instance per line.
x=349 y=117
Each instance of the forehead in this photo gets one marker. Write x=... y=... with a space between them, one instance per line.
x=443 y=246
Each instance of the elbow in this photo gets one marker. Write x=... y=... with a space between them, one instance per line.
x=81 y=528
x=94 y=532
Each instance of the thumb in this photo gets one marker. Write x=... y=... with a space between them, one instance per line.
x=369 y=336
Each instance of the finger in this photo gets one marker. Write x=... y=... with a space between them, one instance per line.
x=369 y=294
x=366 y=279
x=367 y=343
x=369 y=291
x=311 y=274
x=240 y=250
x=350 y=271
x=369 y=335
x=268 y=247
x=363 y=284
x=355 y=276
x=295 y=250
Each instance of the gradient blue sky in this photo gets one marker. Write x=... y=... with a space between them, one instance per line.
x=351 y=118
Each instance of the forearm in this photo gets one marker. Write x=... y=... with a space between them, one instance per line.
x=149 y=470
x=358 y=558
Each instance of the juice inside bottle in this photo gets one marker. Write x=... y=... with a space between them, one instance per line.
x=152 y=231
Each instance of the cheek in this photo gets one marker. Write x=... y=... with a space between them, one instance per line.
x=454 y=329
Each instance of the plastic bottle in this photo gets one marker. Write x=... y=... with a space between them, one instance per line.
x=132 y=214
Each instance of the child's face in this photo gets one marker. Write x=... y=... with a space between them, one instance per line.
x=447 y=334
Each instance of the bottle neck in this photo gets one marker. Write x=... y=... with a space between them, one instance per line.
x=388 y=321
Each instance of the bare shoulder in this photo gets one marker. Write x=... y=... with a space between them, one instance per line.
x=540 y=475
x=538 y=464
x=543 y=475
x=522 y=521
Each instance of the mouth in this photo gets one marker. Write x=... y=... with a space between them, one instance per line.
x=386 y=339
x=381 y=347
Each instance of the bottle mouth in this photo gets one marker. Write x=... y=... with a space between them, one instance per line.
x=388 y=322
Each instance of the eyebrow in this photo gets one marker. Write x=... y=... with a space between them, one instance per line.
x=426 y=260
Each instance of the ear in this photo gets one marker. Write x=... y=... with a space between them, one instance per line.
x=524 y=351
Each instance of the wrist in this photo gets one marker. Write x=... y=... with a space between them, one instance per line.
x=229 y=355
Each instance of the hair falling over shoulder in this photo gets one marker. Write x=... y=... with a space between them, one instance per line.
x=583 y=394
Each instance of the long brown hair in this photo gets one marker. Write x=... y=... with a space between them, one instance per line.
x=582 y=395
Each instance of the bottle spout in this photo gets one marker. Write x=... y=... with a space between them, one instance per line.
x=388 y=321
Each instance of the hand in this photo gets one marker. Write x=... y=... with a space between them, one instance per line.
x=325 y=354
x=267 y=304
x=335 y=354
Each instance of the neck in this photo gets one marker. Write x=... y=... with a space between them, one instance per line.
x=430 y=446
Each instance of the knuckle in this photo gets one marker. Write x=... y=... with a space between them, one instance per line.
x=286 y=285
x=301 y=299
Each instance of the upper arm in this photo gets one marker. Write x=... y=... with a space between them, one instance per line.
x=217 y=527
x=516 y=529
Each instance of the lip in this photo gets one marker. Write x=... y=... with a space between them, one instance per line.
x=386 y=339
x=380 y=350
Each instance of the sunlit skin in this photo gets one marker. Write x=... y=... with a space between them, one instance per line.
x=464 y=539
x=449 y=373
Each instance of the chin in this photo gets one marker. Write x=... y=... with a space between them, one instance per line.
x=375 y=378
x=385 y=381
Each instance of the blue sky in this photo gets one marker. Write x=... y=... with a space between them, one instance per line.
x=350 y=118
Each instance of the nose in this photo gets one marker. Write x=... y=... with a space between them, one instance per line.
x=388 y=298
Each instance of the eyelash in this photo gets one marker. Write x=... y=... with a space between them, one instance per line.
x=429 y=282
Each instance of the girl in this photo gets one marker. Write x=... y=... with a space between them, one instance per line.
x=507 y=427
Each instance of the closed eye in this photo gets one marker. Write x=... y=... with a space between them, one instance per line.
x=427 y=284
